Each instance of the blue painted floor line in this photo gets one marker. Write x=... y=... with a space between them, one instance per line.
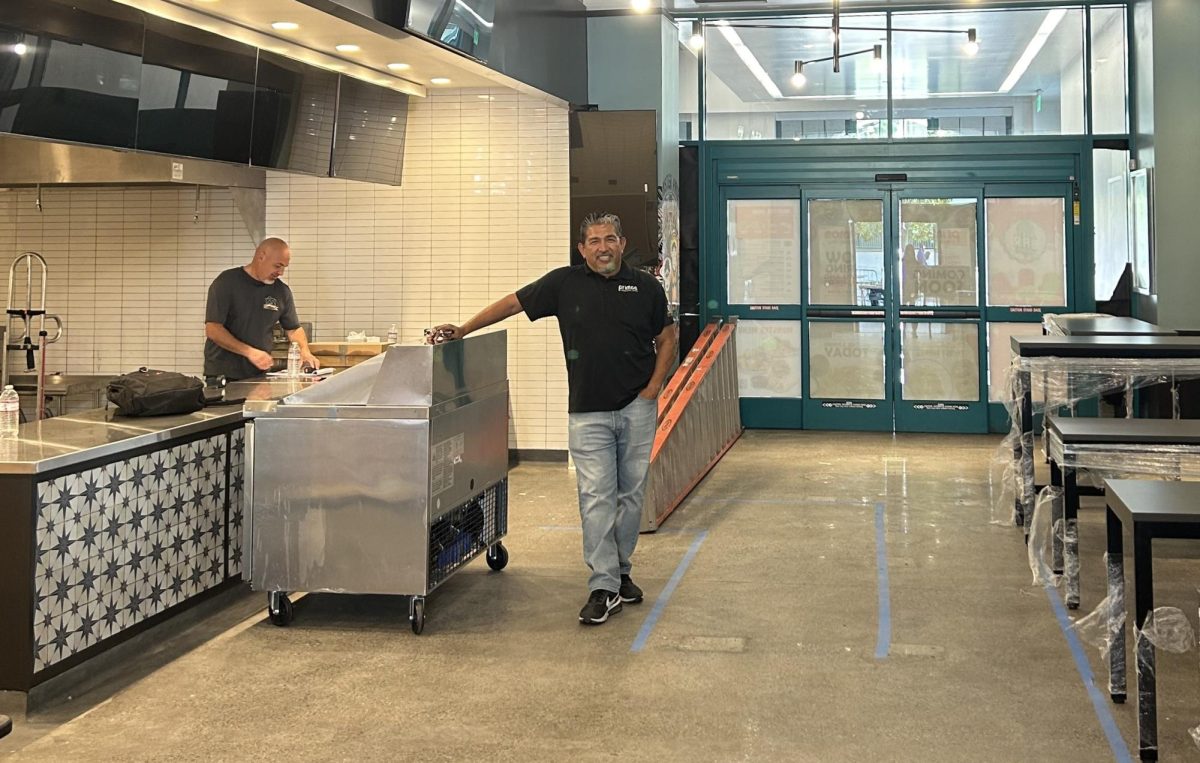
x=660 y=603
x=1099 y=701
x=883 y=639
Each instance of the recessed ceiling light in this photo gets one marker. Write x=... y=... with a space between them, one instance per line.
x=20 y=49
x=399 y=67
x=440 y=81
x=641 y=6
x=285 y=26
x=347 y=48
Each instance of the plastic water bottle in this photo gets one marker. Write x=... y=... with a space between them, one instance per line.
x=393 y=335
x=293 y=368
x=10 y=412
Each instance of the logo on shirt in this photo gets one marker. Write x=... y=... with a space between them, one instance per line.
x=626 y=287
x=272 y=304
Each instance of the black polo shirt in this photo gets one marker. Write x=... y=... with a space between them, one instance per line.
x=608 y=327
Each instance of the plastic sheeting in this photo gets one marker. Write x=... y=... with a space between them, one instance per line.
x=1104 y=627
x=1045 y=558
x=1059 y=384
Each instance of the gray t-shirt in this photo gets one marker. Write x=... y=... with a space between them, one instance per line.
x=249 y=309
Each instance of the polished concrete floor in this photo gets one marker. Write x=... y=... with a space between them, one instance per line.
x=820 y=597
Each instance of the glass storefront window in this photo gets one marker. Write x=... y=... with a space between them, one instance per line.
x=938 y=260
x=768 y=356
x=845 y=244
x=1026 y=252
x=847 y=360
x=1109 y=62
x=940 y=361
x=750 y=92
x=1110 y=200
x=1025 y=78
x=763 y=251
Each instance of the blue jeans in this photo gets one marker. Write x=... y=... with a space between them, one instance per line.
x=611 y=450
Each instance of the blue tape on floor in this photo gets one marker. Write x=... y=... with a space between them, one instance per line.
x=660 y=603
x=883 y=640
x=1099 y=703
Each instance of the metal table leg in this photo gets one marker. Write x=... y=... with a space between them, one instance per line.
x=1071 y=535
x=1143 y=603
x=1024 y=453
x=1116 y=606
x=1056 y=517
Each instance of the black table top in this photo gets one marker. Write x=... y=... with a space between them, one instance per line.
x=1148 y=347
x=1154 y=500
x=1111 y=431
x=1110 y=326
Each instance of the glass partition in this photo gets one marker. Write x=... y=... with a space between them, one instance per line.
x=1020 y=74
x=1109 y=67
x=752 y=93
x=952 y=73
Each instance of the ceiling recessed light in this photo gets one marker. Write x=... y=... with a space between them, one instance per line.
x=20 y=49
x=398 y=67
x=641 y=6
x=347 y=48
x=285 y=26
x=440 y=81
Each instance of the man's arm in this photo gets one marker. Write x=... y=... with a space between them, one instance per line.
x=298 y=336
x=219 y=334
x=505 y=307
x=664 y=358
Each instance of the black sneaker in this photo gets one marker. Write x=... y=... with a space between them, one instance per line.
x=599 y=606
x=630 y=593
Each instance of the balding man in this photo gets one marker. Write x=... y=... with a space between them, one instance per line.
x=244 y=304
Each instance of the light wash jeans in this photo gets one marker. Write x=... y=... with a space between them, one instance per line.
x=611 y=450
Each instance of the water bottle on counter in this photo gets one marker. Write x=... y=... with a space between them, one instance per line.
x=10 y=412
x=293 y=367
x=393 y=335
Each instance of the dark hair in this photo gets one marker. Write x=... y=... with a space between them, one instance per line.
x=599 y=218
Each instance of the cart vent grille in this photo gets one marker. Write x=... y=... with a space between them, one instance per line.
x=467 y=530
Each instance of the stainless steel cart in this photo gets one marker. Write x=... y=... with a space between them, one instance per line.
x=385 y=478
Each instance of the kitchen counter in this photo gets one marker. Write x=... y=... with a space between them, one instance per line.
x=112 y=524
x=62 y=441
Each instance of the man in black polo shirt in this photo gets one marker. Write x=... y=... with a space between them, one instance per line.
x=244 y=304
x=619 y=341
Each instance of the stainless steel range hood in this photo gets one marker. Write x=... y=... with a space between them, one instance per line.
x=26 y=162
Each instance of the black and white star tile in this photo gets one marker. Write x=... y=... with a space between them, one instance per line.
x=121 y=542
x=237 y=478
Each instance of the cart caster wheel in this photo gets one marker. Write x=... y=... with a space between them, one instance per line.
x=279 y=609
x=417 y=615
x=497 y=557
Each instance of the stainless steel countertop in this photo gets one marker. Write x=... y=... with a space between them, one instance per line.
x=62 y=384
x=43 y=446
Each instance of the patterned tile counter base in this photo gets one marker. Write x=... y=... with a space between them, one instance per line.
x=116 y=545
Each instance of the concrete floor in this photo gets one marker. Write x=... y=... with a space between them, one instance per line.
x=763 y=646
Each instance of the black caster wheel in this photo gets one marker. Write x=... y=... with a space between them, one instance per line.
x=279 y=608
x=497 y=557
x=416 y=614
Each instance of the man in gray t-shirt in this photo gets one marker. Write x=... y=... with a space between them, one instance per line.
x=244 y=304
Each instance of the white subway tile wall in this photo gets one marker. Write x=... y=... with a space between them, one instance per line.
x=128 y=271
x=484 y=209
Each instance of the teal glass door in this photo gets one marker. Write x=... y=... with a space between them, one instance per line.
x=847 y=309
x=884 y=308
x=938 y=344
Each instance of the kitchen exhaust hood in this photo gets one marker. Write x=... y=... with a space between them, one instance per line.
x=27 y=162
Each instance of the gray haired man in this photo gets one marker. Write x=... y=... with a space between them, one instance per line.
x=619 y=341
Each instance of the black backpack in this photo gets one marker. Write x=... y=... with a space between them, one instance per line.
x=146 y=392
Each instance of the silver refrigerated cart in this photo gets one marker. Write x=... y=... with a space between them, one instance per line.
x=385 y=478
